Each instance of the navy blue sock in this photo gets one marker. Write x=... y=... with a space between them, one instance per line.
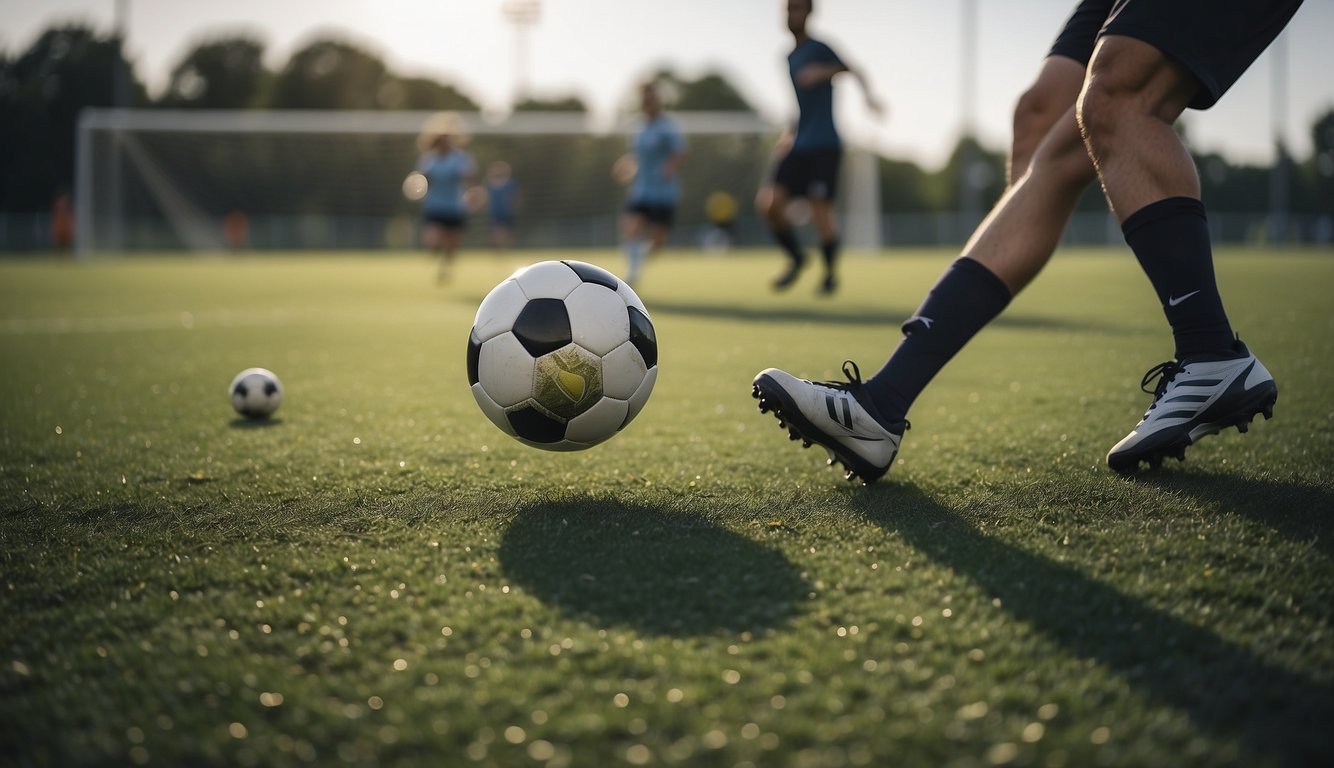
x=788 y=239
x=1171 y=240
x=962 y=302
x=829 y=249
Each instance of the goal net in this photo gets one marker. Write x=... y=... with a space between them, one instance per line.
x=283 y=180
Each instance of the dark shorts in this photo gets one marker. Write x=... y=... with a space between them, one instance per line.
x=502 y=220
x=1081 y=30
x=810 y=173
x=653 y=213
x=446 y=220
x=1215 y=40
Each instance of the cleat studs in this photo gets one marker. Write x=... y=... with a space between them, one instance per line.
x=805 y=443
x=1244 y=426
x=849 y=475
x=1268 y=412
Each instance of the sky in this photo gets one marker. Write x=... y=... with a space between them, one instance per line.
x=910 y=51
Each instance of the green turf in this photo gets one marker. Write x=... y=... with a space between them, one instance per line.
x=380 y=576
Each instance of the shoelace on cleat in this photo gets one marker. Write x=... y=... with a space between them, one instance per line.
x=852 y=385
x=1164 y=372
x=854 y=378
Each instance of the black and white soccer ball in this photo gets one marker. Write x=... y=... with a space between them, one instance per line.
x=562 y=355
x=256 y=393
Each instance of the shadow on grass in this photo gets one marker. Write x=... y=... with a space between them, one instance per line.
x=659 y=572
x=241 y=422
x=1224 y=688
x=1300 y=513
x=886 y=317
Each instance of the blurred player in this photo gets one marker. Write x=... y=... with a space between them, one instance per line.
x=502 y=199
x=808 y=167
x=446 y=169
x=657 y=151
x=1119 y=75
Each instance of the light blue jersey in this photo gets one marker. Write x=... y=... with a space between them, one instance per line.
x=815 y=106
x=445 y=174
x=656 y=141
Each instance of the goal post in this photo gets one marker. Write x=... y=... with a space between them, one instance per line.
x=209 y=180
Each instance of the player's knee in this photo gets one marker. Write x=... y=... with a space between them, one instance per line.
x=1034 y=113
x=1101 y=109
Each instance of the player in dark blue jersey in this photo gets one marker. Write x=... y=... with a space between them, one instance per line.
x=657 y=151
x=811 y=155
x=1104 y=104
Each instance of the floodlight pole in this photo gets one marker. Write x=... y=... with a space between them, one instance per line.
x=1278 y=172
x=522 y=14
x=970 y=177
x=120 y=97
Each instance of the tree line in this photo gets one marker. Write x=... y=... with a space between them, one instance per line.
x=70 y=67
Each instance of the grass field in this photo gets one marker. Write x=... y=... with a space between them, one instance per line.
x=379 y=576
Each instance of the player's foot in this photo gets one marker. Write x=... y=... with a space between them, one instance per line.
x=836 y=414
x=828 y=285
x=1193 y=398
x=789 y=276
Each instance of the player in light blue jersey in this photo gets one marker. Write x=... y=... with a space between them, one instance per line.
x=447 y=169
x=809 y=166
x=657 y=151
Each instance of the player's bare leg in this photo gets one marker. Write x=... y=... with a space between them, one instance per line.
x=1133 y=96
x=449 y=246
x=1018 y=237
x=1046 y=101
x=633 y=229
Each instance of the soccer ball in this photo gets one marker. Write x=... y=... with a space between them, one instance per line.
x=562 y=355
x=256 y=393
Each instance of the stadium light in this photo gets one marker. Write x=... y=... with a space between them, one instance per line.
x=522 y=14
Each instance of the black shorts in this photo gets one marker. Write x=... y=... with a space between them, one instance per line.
x=1081 y=30
x=446 y=220
x=1215 y=40
x=654 y=213
x=810 y=173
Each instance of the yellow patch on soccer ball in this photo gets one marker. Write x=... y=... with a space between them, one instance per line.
x=571 y=383
x=568 y=381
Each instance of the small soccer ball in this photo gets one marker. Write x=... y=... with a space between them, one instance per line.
x=256 y=393
x=562 y=355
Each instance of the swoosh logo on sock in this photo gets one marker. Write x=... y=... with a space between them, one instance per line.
x=1172 y=301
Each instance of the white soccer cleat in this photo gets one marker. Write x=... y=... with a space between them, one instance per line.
x=837 y=415
x=1194 y=398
